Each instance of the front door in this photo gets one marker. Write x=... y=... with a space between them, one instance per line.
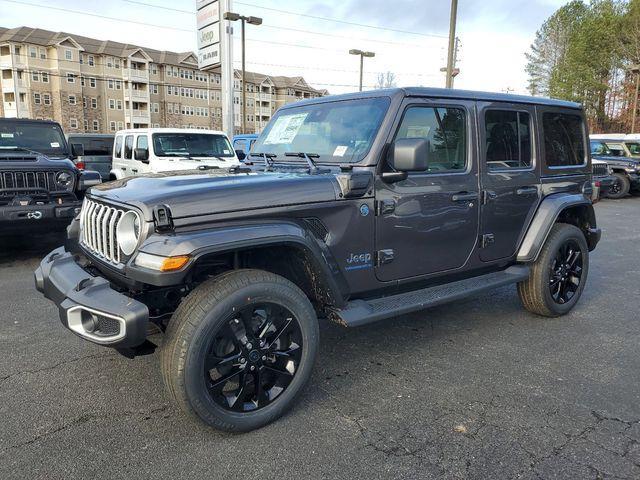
x=509 y=179
x=428 y=223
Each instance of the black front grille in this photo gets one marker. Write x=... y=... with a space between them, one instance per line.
x=39 y=182
x=600 y=170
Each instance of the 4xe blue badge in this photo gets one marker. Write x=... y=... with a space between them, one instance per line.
x=364 y=209
x=358 y=261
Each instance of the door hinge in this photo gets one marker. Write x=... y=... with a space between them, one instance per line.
x=385 y=207
x=488 y=195
x=384 y=256
x=488 y=239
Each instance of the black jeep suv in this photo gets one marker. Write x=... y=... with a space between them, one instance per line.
x=40 y=188
x=357 y=208
x=625 y=171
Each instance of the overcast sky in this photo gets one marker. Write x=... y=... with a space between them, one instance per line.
x=494 y=35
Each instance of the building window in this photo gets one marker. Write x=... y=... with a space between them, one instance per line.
x=72 y=99
x=46 y=98
x=96 y=125
x=94 y=103
x=71 y=78
x=154 y=89
x=92 y=82
x=45 y=77
x=91 y=61
x=16 y=50
x=110 y=84
x=73 y=123
x=33 y=52
x=68 y=55
x=109 y=62
x=36 y=98
x=112 y=126
x=35 y=76
x=84 y=102
x=43 y=53
x=154 y=69
x=86 y=125
x=120 y=125
x=81 y=57
x=119 y=104
x=116 y=63
x=82 y=80
x=118 y=84
x=112 y=104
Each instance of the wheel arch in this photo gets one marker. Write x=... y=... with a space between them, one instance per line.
x=574 y=209
x=286 y=249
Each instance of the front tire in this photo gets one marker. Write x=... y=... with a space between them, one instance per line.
x=620 y=186
x=559 y=274
x=240 y=349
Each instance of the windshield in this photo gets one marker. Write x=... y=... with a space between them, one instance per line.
x=45 y=138
x=191 y=145
x=338 y=132
x=634 y=148
x=599 y=148
x=94 y=147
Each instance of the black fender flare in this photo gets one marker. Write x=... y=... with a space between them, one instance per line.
x=546 y=216
x=230 y=238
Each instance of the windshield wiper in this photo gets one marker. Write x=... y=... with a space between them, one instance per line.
x=206 y=155
x=208 y=167
x=267 y=157
x=313 y=168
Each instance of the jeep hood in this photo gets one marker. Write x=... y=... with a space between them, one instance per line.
x=190 y=193
x=622 y=161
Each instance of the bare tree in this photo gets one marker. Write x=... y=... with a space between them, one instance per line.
x=386 y=80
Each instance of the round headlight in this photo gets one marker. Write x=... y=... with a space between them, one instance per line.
x=128 y=231
x=64 y=179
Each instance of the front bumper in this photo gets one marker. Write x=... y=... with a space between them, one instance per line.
x=88 y=305
x=32 y=218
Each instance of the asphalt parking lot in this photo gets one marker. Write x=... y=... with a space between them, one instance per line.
x=477 y=390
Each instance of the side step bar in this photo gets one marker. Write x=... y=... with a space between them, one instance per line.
x=361 y=312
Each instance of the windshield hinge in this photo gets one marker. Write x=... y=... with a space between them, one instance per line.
x=162 y=218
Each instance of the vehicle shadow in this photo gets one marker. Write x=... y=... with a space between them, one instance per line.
x=28 y=247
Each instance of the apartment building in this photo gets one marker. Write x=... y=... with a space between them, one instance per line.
x=90 y=85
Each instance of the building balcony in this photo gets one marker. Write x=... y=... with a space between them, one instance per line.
x=6 y=61
x=136 y=95
x=265 y=97
x=264 y=111
x=137 y=116
x=136 y=75
x=15 y=110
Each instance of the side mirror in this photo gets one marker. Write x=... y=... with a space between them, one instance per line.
x=409 y=155
x=88 y=179
x=141 y=154
x=77 y=150
x=241 y=155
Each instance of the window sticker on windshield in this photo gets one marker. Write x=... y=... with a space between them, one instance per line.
x=285 y=129
x=340 y=151
x=6 y=135
x=226 y=152
x=55 y=145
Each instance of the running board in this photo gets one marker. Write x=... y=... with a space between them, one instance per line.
x=361 y=312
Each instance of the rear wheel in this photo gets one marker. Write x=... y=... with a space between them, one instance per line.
x=240 y=349
x=620 y=186
x=559 y=274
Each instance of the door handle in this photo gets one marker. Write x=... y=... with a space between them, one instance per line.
x=464 y=197
x=123 y=168
x=134 y=170
x=526 y=191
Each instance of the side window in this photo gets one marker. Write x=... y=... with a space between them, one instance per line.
x=142 y=142
x=563 y=140
x=128 y=146
x=508 y=139
x=117 y=149
x=445 y=128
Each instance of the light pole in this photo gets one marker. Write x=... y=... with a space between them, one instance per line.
x=635 y=69
x=452 y=43
x=234 y=17
x=362 y=54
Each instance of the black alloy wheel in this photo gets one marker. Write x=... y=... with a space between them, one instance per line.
x=566 y=272
x=253 y=357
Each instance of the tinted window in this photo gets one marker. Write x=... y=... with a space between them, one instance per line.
x=634 y=148
x=599 y=148
x=563 y=140
x=339 y=132
x=94 y=146
x=508 y=139
x=446 y=131
x=142 y=142
x=117 y=151
x=128 y=146
x=191 y=144
x=45 y=138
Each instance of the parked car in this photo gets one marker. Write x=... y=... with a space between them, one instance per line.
x=620 y=144
x=155 y=150
x=624 y=170
x=97 y=152
x=242 y=144
x=358 y=208
x=40 y=188
x=602 y=178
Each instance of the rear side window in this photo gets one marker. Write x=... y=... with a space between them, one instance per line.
x=95 y=146
x=563 y=140
x=128 y=146
x=117 y=151
x=445 y=129
x=142 y=142
x=508 y=138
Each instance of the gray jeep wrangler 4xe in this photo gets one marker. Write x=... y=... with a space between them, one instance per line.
x=357 y=208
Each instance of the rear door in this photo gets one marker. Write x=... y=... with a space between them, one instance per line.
x=509 y=176
x=428 y=223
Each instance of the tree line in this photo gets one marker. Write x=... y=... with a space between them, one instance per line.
x=589 y=52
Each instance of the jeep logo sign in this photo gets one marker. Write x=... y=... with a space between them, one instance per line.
x=209 y=24
x=37 y=215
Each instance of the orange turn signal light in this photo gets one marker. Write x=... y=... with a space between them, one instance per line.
x=170 y=264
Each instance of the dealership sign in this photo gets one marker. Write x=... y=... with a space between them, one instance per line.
x=208 y=21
